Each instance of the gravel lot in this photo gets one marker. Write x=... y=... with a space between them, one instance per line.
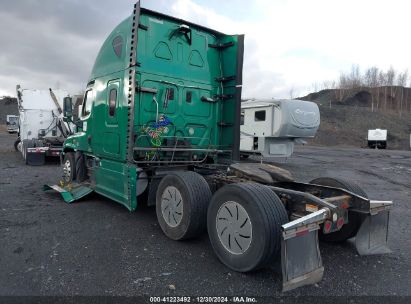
x=97 y=247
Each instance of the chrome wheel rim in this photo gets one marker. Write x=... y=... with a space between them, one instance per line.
x=172 y=206
x=234 y=227
x=67 y=170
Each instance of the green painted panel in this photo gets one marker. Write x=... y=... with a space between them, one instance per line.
x=107 y=61
x=111 y=143
x=117 y=181
x=193 y=105
x=162 y=51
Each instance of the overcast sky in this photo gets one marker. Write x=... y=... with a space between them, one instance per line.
x=290 y=44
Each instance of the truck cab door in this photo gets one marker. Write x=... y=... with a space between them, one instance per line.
x=106 y=118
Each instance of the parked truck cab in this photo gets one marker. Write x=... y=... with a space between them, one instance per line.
x=160 y=123
x=157 y=82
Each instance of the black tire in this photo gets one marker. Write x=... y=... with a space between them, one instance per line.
x=69 y=176
x=266 y=214
x=23 y=148
x=244 y=156
x=189 y=215
x=152 y=191
x=27 y=143
x=81 y=170
x=350 y=229
x=16 y=143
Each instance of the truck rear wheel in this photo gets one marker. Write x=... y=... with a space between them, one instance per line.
x=69 y=167
x=27 y=143
x=181 y=204
x=350 y=229
x=244 y=155
x=244 y=225
x=16 y=144
x=24 y=148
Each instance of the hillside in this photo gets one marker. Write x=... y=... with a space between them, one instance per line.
x=8 y=106
x=347 y=120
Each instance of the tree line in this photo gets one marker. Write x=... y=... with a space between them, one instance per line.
x=388 y=89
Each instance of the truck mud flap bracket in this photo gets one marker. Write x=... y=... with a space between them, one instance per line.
x=70 y=193
x=300 y=253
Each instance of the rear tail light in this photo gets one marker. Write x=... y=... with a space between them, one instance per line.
x=327 y=226
x=340 y=222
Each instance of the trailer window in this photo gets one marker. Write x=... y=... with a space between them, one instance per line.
x=242 y=118
x=112 y=102
x=88 y=100
x=259 y=116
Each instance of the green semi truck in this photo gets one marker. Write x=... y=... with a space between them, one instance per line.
x=160 y=125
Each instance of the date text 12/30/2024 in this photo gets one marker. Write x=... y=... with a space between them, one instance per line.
x=183 y=299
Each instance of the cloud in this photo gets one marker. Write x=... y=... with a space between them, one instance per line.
x=288 y=44
x=295 y=43
x=47 y=43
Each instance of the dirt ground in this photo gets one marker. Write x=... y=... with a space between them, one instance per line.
x=346 y=122
x=97 y=247
x=348 y=126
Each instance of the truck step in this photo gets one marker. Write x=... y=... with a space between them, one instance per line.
x=71 y=192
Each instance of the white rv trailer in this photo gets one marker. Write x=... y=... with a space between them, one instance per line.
x=271 y=127
x=377 y=138
x=12 y=122
x=42 y=130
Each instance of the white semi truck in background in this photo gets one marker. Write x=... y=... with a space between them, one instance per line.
x=377 y=138
x=12 y=122
x=270 y=128
x=42 y=130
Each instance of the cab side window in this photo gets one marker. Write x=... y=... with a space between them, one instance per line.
x=112 y=102
x=87 y=104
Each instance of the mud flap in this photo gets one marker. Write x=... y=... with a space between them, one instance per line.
x=300 y=252
x=301 y=261
x=36 y=158
x=372 y=236
x=70 y=193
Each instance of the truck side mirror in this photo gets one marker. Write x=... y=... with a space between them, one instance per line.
x=68 y=107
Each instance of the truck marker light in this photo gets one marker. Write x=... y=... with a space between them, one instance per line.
x=311 y=208
x=340 y=222
x=327 y=226
x=345 y=205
